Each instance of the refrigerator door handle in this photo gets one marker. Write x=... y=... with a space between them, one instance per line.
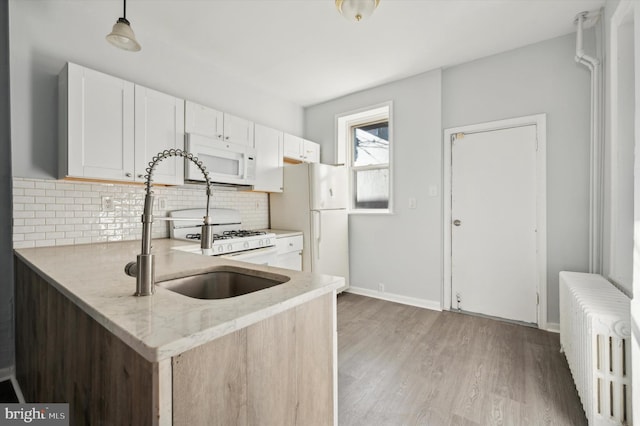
x=316 y=231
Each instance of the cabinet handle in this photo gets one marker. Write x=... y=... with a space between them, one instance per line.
x=219 y=136
x=140 y=176
x=226 y=138
x=128 y=174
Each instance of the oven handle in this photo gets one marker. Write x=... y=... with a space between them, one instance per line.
x=249 y=254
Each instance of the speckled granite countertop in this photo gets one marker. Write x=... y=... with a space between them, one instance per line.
x=167 y=323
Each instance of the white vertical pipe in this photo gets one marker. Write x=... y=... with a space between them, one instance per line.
x=595 y=166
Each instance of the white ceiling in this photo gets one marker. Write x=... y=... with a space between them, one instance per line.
x=304 y=51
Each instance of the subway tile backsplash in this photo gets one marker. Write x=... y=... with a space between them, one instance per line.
x=60 y=212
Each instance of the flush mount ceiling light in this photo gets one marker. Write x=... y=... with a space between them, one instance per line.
x=122 y=35
x=356 y=10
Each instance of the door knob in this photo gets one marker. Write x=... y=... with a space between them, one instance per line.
x=457 y=222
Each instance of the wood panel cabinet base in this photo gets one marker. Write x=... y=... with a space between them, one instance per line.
x=279 y=371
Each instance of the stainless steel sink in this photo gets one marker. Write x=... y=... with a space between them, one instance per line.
x=223 y=282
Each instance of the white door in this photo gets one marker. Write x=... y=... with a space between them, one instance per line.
x=493 y=230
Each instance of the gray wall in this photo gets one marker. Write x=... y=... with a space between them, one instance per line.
x=541 y=78
x=6 y=259
x=402 y=250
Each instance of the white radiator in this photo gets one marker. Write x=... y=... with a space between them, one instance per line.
x=595 y=337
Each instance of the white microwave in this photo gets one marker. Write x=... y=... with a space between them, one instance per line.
x=226 y=162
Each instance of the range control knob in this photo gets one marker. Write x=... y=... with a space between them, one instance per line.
x=220 y=249
x=246 y=245
x=229 y=247
x=260 y=243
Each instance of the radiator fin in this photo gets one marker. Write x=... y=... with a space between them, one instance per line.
x=594 y=328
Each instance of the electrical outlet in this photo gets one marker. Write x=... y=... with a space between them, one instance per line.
x=107 y=204
x=381 y=287
x=412 y=203
x=257 y=205
x=162 y=203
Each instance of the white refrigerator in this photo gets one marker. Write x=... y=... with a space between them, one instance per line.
x=314 y=201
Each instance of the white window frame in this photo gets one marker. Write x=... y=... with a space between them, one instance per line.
x=344 y=150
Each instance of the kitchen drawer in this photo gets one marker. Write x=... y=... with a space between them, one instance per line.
x=289 y=244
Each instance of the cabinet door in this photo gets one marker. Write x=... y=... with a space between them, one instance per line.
x=238 y=130
x=291 y=260
x=311 y=151
x=269 y=163
x=289 y=253
x=204 y=121
x=97 y=117
x=159 y=124
x=293 y=147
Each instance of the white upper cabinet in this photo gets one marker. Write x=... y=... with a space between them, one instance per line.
x=159 y=125
x=96 y=125
x=292 y=147
x=215 y=124
x=238 y=130
x=298 y=149
x=203 y=121
x=111 y=129
x=310 y=151
x=269 y=159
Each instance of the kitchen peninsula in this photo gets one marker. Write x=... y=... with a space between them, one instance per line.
x=267 y=357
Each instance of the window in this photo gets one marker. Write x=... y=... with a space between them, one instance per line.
x=364 y=146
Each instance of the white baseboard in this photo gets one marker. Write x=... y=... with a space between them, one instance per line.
x=391 y=297
x=553 y=327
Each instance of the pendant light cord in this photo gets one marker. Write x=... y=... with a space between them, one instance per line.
x=125 y=9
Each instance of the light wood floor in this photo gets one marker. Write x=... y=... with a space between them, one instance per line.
x=401 y=365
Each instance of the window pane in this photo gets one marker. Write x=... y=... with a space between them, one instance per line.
x=371 y=144
x=372 y=189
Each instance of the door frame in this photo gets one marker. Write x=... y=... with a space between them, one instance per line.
x=540 y=121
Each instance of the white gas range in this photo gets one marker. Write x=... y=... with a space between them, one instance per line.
x=229 y=239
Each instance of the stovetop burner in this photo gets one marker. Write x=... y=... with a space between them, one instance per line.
x=241 y=233
x=228 y=235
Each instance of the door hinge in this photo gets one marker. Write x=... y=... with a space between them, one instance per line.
x=459 y=301
x=537 y=298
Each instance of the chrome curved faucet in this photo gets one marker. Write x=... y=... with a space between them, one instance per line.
x=144 y=266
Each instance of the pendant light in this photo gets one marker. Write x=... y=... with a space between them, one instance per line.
x=122 y=35
x=356 y=10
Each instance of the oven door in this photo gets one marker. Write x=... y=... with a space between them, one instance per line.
x=226 y=162
x=262 y=256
